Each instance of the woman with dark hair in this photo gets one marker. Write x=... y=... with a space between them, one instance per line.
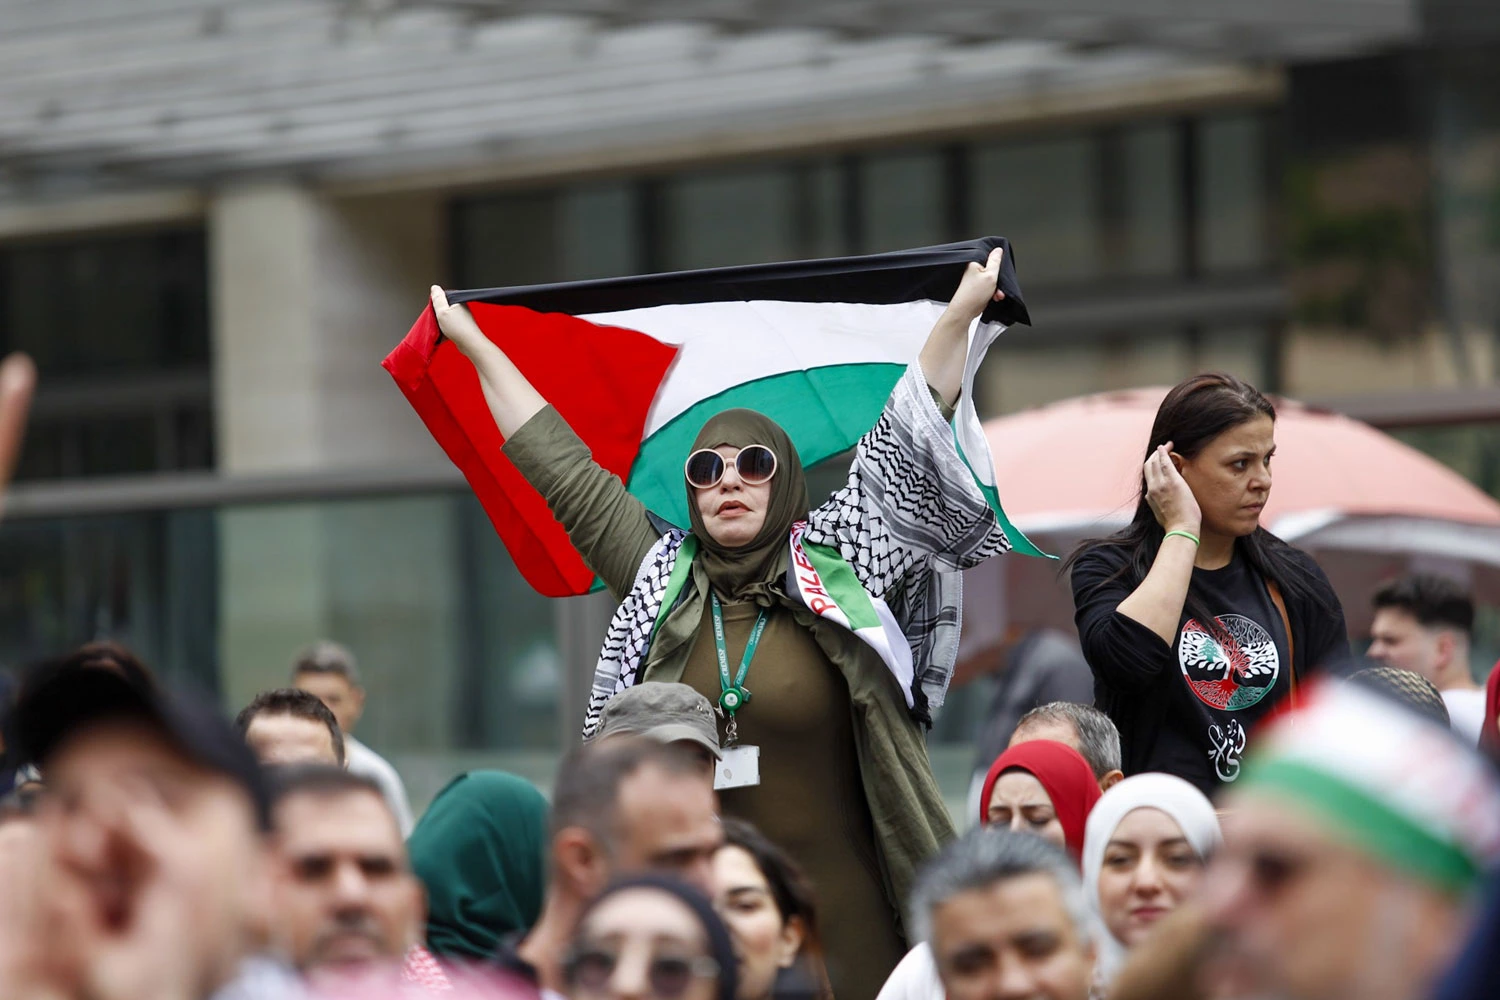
x=772 y=914
x=1196 y=620
x=651 y=936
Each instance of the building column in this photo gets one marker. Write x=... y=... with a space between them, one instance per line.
x=309 y=295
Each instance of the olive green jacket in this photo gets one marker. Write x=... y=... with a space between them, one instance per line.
x=617 y=537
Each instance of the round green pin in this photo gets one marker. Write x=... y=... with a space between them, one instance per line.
x=733 y=699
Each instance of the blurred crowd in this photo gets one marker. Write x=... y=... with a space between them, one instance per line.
x=150 y=848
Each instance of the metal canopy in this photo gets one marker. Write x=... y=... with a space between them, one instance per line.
x=192 y=89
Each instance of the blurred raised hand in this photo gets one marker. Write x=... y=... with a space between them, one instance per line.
x=38 y=957
x=17 y=383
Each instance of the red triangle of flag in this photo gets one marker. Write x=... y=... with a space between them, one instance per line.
x=602 y=381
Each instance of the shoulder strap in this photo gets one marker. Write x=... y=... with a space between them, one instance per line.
x=1291 y=643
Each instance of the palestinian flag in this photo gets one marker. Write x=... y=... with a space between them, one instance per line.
x=636 y=366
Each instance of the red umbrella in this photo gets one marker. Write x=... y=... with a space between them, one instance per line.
x=1367 y=505
x=1077 y=465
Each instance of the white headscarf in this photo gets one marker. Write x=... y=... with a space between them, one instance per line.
x=1189 y=809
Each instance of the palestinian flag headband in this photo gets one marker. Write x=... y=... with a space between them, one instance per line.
x=1396 y=785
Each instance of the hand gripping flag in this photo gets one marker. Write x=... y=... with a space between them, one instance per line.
x=636 y=366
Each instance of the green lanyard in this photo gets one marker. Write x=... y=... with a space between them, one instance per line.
x=734 y=694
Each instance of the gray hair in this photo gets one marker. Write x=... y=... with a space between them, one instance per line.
x=1098 y=737
x=327 y=657
x=986 y=855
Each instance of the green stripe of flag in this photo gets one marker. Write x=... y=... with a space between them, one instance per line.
x=842 y=585
x=1018 y=542
x=825 y=410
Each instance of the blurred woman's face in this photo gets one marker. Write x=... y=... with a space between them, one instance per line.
x=765 y=942
x=641 y=944
x=1231 y=477
x=1149 y=868
x=1020 y=802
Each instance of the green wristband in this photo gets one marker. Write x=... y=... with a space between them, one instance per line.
x=1184 y=534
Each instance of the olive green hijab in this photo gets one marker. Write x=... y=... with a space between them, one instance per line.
x=753 y=571
x=480 y=850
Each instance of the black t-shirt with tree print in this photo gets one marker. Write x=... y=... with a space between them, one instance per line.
x=1188 y=709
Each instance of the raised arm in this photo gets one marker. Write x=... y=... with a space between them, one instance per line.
x=606 y=524
x=17 y=382
x=512 y=399
x=1157 y=602
x=942 y=357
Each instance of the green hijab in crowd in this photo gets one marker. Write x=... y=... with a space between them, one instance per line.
x=481 y=852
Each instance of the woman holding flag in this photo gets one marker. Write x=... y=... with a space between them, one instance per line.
x=818 y=633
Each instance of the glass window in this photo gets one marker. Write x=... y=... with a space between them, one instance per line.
x=457 y=651
x=1241 y=351
x=822 y=211
x=1142 y=359
x=510 y=678
x=1152 y=210
x=600 y=232
x=729 y=217
x=1020 y=375
x=1472 y=450
x=535 y=237
x=506 y=240
x=902 y=200
x=107 y=304
x=63 y=443
x=1044 y=196
x=118 y=326
x=1232 y=193
x=147 y=580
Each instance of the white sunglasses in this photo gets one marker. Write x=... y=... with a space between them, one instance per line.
x=705 y=467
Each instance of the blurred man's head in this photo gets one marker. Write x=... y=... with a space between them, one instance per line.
x=288 y=726
x=343 y=896
x=1423 y=624
x=106 y=654
x=1352 y=839
x=1082 y=727
x=1405 y=687
x=666 y=713
x=155 y=811
x=330 y=672
x=632 y=805
x=1004 y=915
x=101 y=655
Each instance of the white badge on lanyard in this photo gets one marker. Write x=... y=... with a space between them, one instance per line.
x=738 y=768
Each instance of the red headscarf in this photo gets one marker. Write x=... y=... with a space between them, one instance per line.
x=1489 y=738
x=1063 y=773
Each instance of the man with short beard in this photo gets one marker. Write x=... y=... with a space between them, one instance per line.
x=621 y=806
x=344 y=899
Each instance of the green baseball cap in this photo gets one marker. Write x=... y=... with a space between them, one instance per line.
x=666 y=712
